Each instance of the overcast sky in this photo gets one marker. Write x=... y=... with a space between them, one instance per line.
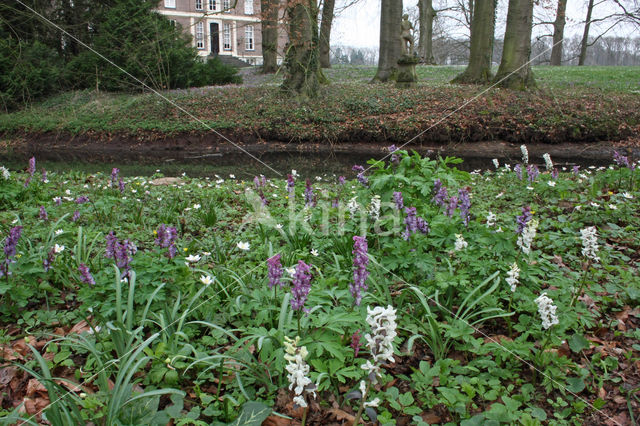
x=359 y=25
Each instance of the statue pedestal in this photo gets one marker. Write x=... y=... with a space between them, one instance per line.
x=407 y=76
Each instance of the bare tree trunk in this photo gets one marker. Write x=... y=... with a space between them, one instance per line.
x=515 y=71
x=585 y=35
x=425 y=43
x=269 y=17
x=301 y=61
x=325 y=32
x=390 y=41
x=558 y=33
x=482 y=35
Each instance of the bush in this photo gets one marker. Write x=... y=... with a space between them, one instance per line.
x=214 y=72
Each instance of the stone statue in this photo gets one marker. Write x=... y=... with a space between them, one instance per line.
x=407 y=37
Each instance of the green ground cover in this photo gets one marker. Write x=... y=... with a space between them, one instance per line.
x=186 y=329
x=574 y=104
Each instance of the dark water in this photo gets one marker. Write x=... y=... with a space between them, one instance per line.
x=275 y=165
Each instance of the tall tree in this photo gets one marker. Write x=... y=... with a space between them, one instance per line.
x=585 y=34
x=269 y=10
x=301 y=61
x=425 y=43
x=325 y=32
x=390 y=41
x=515 y=70
x=482 y=34
x=558 y=33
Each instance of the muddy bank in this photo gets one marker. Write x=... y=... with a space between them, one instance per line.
x=214 y=150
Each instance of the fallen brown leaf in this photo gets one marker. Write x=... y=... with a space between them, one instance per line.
x=341 y=415
x=276 y=421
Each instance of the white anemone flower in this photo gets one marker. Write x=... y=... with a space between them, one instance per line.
x=205 y=279
x=243 y=245
x=192 y=258
x=57 y=249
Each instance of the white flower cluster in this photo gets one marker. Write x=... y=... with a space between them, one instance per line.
x=353 y=206
x=512 y=276
x=547 y=311
x=547 y=161
x=491 y=219
x=589 y=238
x=460 y=243
x=298 y=370
x=496 y=163
x=5 y=173
x=374 y=207
x=525 y=154
x=528 y=234
x=380 y=342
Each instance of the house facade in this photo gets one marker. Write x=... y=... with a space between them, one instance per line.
x=219 y=27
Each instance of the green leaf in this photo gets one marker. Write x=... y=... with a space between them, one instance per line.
x=577 y=343
x=575 y=384
x=61 y=356
x=539 y=413
x=253 y=414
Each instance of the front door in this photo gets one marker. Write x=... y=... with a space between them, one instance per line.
x=214 y=30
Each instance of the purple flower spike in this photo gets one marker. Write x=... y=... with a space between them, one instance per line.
x=291 y=184
x=554 y=174
x=114 y=176
x=341 y=180
x=575 y=170
x=423 y=225
x=301 y=286
x=121 y=252
x=518 y=169
x=360 y=175
x=465 y=205
x=48 y=261
x=32 y=166
x=309 y=198
x=275 y=271
x=86 y=276
x=355 y=343
x=523 y=219
x=360 y=273
x=10 y=244
x=82 y=199
x=43 y=214
x=621 y=160
x=451 y=206
x=441 y=194
x=394 y=157
x=121 y=186
x=76 y=216
x=397 y=198
x=166 y=238
x=44 y=176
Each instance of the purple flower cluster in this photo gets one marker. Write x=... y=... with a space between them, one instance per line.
x=114 y=176
x=518 y=169
x=441 y=194
x=523 y=219
x=451 y=206
x=355 y=343
x=623 y=160
x=259 y=182
x=397 y=198
x=413 y=223
x=575 y=170
x=85 y=275
x=76 y=216
x=309 y=198
x=48 y=261
x=121 y=252
x=464 y=205
x=275 y=271
x=360 y=175
x=82 y=199
x=554 y=174
x=43 y=214
x=301 y=286
x=121 y=186
x=10 y=244
x=360 y=273
x=341 y=180
x=532 y=172
x=166 y=238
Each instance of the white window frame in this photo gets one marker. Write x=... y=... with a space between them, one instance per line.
x=212 y=5
x=173 y=22
x=248 y=7
x=170 y=4
x=198 y=4
x=226 y=36
x=200 y=35
x=249 y=41
x=226 y=5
